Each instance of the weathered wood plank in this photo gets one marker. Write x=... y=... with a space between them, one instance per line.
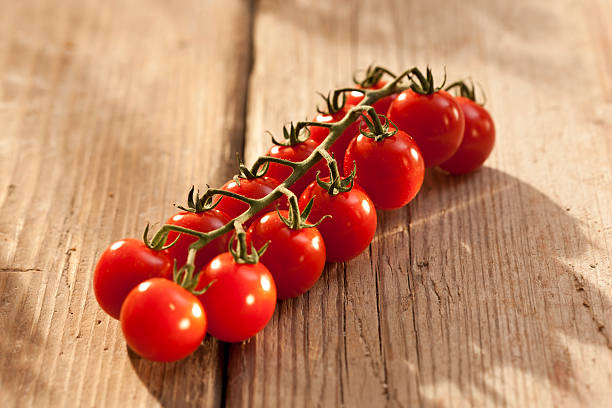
x=489 y=289
x=109 y=112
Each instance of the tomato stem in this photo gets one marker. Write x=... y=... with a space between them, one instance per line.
x=468 y=91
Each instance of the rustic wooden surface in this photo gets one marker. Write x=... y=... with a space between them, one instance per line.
x=493 y=289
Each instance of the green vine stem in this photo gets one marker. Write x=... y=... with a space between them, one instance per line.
x=299 y=170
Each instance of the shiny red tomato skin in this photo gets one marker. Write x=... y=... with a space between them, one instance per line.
x=353 y=222
x=203 y=222
x=478 y=139
x=241 y=300
x=318 y=134
x=254 y=188
x=295 y=153
x=434 y=121
x=295 y=258
x=121 y=267
x=381 y=106
x=390 y=171
x=161 y=321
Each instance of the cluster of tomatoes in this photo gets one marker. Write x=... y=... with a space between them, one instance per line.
x=233 y=294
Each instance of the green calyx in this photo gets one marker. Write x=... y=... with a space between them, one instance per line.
x=425 y=84
x=334 y=103
x=467 y=91
x=377 y=130
x=372 y=75
x=249 y=174
x=296 y=219
x=337 y=184
x=199 y=204
x=240 y=250
x=293 y=135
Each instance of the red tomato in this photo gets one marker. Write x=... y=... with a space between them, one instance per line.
x=161 y=321
x=295 y=153
x=203 y=222
x=253 y=188
x=121 y=267
x=318 y=134
x=295 y=258
x=478 y=139
x=434 y=121
x=381 y=106
x=353 y=222
x=240 y=301
x=390 y=171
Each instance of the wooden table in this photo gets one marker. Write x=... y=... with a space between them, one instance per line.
x=490 y=289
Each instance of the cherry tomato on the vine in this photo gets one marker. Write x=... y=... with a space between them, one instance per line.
x=203 y=222
x=252 y=188
x=391 y=171
x=162 y=321
x=295 y=258
x=478 y=139
x=434 y=121
x=295 y=153
x=381 y=106
x=352 y=224
x=124 y=265
x=241 y=299
x=318 y=134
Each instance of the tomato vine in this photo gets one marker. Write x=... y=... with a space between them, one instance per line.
x=259 y=167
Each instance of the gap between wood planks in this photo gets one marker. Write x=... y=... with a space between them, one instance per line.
x=226 y=347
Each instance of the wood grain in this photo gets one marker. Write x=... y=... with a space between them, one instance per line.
x=110 y=111
x=492 y=289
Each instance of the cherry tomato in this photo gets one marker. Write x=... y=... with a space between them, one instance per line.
x=318 y=134
x=295 y=258
x=253 y=188
x=353 y=222
x=240 y=301
x=203 y=222
x=478 y=139
x=390 y=171
x=295 y=153
x=161 y=321
x=434 y=121
x=121 y=267
x=381 y=106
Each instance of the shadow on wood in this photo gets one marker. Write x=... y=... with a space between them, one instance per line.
x=494 y=295
x=178 y=384
x=466 y=295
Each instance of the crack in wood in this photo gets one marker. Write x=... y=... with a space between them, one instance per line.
x=16 y=269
